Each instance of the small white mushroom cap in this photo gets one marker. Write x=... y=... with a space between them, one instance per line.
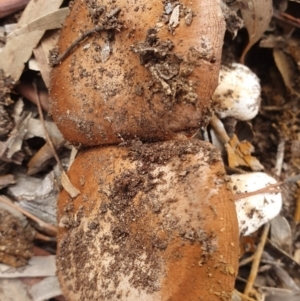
x=256 y=210
x=238 y=93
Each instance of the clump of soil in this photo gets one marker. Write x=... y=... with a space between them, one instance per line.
x=6 y=123
x=16 y=241
x=169 y=71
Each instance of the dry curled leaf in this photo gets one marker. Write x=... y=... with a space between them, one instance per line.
x=68 y=186
x=48 y=21
x=239 y=154
x=287 y=69
x=19 y=48
x=257 y=15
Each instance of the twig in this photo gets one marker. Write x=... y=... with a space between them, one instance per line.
x=256 y=260
x=75 y=43
x=259 y=191
x=218 y=127
x=246 y=261
x=42 y=237
x=51 y=230
x=66 y=183
x=97 y=29
x=284 y=17
x=48 y=138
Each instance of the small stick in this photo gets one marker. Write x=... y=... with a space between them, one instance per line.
x=218 y=126
x=293 y=179
x=85 y=35
x=66 y=183
x=42 y=237
x=256 y=260
x=48 y=138
x=288 y=19
x=246 y=261
x=52 y=230
x=76 y=42
x=259 y=191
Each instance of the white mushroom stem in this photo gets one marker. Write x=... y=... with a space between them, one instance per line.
x=255 y=210
x=219 y=128
x=238 y=93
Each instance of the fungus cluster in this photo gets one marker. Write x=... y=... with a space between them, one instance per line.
x=154 y=219
x=238 y=97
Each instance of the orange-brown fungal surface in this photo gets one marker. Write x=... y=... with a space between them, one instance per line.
x=153 y=222
x=149 y=72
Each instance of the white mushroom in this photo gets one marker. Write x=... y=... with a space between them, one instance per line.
x=238 y=93
x=256 y=210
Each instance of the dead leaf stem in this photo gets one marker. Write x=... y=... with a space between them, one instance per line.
x=85 y=35
x=48 y=138
x=66 y=183
x=259 y=191
x=256 y=261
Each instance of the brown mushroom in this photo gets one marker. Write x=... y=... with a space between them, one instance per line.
x=148 y=70
x=153 y=222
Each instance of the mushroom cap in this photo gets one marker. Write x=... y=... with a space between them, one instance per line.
x=238 y=93
x=153 y=222
x=255 y=211
x=150 y=80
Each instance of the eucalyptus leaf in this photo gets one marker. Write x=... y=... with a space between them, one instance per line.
x=257 y=15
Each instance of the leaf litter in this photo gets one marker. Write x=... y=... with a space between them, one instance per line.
x=26 y=157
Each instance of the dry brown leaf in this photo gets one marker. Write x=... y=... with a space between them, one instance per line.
x=18 y=49
x=257 y=15
x=17 y=136
x=41 y=53
x=294 y=51
x=40 y=159
x=233 y=160
x=35 y=128
x=68 y=186
x=239 y=154
x=52 y=20
x=287 y=69
x=29 y=92
x=6 y=180
x=253 y=163
x=74 y=152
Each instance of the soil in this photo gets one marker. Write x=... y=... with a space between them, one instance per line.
x=16 y=240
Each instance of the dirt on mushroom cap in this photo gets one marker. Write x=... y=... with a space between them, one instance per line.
x=150 y=77
x=152 y=222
